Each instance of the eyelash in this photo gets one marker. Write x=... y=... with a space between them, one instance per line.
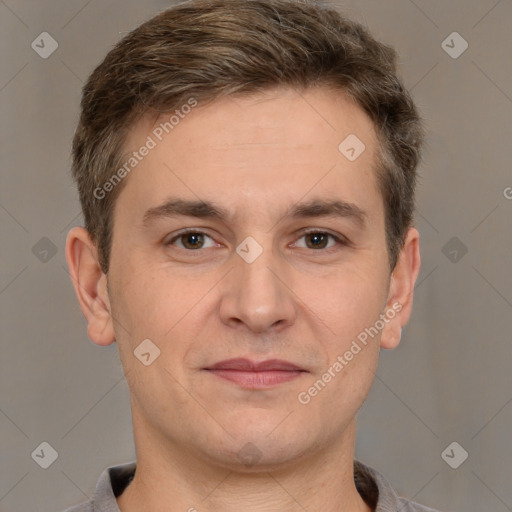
x=339 y=240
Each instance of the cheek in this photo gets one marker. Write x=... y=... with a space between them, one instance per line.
x=333 y=397
x=141 y=298
x=347 y=301
x=159 y=305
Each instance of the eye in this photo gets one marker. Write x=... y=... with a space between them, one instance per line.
x=191 y=240
x=320 y=240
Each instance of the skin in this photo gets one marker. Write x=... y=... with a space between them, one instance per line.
x=303 y=300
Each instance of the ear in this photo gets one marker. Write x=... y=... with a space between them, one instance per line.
x=401 y=290
x=90 y=285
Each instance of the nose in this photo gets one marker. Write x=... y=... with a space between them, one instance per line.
x=255 y=294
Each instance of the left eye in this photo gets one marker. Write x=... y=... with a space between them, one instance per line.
x=319 y=240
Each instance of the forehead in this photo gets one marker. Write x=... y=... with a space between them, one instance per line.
x=279 y=144
x=280 y=118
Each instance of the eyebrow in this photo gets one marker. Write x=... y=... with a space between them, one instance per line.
x=208 y=210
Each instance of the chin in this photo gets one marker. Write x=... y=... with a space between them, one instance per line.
x=263 y=446
x=259 y=456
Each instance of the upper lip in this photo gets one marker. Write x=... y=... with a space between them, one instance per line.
x=247 y=365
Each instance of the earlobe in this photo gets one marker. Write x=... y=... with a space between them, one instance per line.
x=90 y=285
x=401 y=290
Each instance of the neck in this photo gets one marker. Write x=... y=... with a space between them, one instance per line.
x=171 y=478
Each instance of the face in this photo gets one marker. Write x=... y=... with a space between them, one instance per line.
x=251 y=252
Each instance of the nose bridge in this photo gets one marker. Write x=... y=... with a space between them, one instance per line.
x=257 y=281
x=255 y=269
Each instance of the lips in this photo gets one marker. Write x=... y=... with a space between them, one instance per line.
x=253 y=375
x=246 y=365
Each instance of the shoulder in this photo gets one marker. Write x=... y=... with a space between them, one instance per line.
x=411 y=506
x=378 y=493
x=86 y=506
x=112 y=482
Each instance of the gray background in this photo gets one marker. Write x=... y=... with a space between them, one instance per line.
x=449 y=380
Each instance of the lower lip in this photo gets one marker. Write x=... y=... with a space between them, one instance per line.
x=257 y=380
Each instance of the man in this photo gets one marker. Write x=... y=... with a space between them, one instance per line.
x=246 y=171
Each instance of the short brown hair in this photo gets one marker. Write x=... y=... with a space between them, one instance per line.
x=206 y=49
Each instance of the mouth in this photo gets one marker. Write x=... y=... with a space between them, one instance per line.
x=252 y=375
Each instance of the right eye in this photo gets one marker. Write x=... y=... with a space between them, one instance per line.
x=190 y=239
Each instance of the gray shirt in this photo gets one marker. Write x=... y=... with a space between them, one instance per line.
x=371 y=485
